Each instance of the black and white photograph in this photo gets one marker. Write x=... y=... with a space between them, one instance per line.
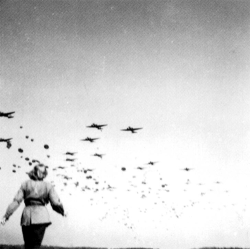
x=124 y=124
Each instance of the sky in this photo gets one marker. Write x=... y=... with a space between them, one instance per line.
x=177 y=69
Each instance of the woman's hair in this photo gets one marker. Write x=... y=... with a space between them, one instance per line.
x=36 y=174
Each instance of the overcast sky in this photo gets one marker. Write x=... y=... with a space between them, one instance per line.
x=177 y=69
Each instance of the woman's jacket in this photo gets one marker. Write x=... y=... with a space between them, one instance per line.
x=36 y=195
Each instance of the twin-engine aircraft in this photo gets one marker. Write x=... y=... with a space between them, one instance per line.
x=89 y=139
x=133 y=130
x=187 y=169
x=152 y=163
x=99 y=155
x=98 y=127
x=70 y=153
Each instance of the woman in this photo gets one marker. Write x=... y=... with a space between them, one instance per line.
x=36 y=194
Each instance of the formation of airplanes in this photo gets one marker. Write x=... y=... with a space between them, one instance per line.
x=89 y=139
x=100 y=127
x=7 y=114
x=99 y=184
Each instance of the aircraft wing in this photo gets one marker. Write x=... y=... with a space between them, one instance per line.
x=102 y=125
x=5 y=140
x=9 y=113
x=6 y=114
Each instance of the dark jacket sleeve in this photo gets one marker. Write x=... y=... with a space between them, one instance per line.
x=55 y=201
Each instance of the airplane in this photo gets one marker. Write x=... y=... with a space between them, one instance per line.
x=70 y=153
x=7 y=114
x=86 y=170
x=91 y=140
x=64 y=176
x=67 y=177
x=140 y=168
x=61 y=167
x=152 y=163
x=133 y=130
x=186 y=169
x=7 y=141
x=99 y=127
x=110 y=187
x=70 y=159
x=99 y=155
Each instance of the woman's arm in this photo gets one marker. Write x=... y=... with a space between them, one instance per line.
x=55 y=201
x=13 y=205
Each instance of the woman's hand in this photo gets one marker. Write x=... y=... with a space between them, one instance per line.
x=3 y=221
x=65 y=214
